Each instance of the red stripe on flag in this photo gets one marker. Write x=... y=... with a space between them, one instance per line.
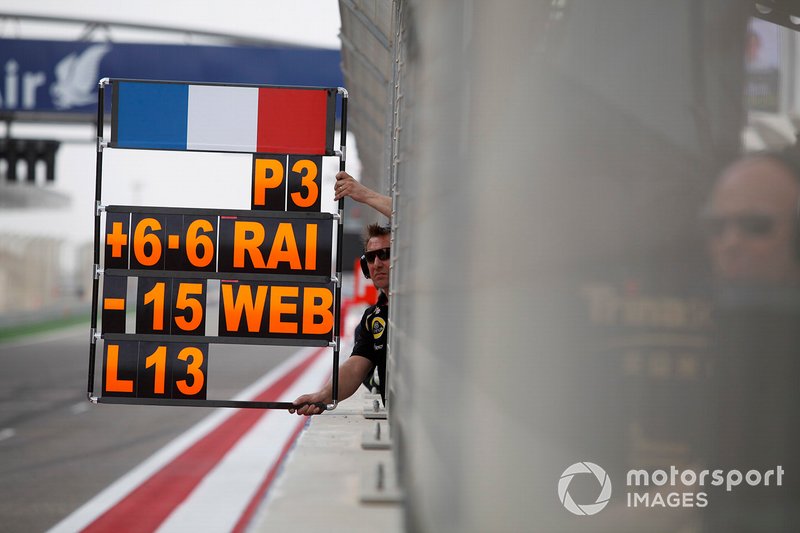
x=292 y=121
x=147 y=506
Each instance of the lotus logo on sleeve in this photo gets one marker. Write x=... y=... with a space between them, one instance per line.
x=378 y=326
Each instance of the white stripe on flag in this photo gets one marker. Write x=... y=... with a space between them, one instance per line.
x=222 y=118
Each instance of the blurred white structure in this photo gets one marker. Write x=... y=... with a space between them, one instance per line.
x=30 y=273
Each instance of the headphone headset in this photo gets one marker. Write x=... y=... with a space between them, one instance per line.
x=363 y=259
x=364 y=266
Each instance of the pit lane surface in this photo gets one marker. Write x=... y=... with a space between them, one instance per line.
x=58 y=451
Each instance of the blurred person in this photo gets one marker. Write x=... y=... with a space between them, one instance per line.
x=369 y=348
x=751 y=220
x=346 y=185
x=753 y=50
x=754 y=249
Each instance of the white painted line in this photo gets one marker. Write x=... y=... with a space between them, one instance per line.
x=80 y=408
x=7 y=433
x=48 y=336
x=114 y=493
x=213 y=505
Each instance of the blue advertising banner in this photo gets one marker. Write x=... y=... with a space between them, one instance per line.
x=60 y=77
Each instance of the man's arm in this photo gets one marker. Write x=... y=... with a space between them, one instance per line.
x=351 y=373
x=346 y=185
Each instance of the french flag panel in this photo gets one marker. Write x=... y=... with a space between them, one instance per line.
x=150 y=115
x=179 y=116
x=222 y=118
x=292 y=121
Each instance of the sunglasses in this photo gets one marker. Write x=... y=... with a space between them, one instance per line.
x=382 y=254
x=750 y=225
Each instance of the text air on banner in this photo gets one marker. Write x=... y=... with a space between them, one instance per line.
x=221 y=118
x=172 y=282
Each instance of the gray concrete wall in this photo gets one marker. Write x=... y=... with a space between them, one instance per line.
x=545 y=151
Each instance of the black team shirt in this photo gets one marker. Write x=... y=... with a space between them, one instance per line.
x=370 y=338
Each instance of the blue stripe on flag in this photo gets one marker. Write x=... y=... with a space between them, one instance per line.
x=152 y=115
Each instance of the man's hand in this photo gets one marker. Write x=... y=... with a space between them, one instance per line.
x=304 y=405
x=351 y=374
x=346 y=185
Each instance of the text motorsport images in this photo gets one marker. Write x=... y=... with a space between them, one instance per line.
x=646 y=496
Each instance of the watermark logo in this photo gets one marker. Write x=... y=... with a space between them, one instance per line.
x=590 y=508
x=687 y=488
x=662 y=488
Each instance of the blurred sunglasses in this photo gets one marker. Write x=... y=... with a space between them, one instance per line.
x=382 y=254
x=749 y=225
